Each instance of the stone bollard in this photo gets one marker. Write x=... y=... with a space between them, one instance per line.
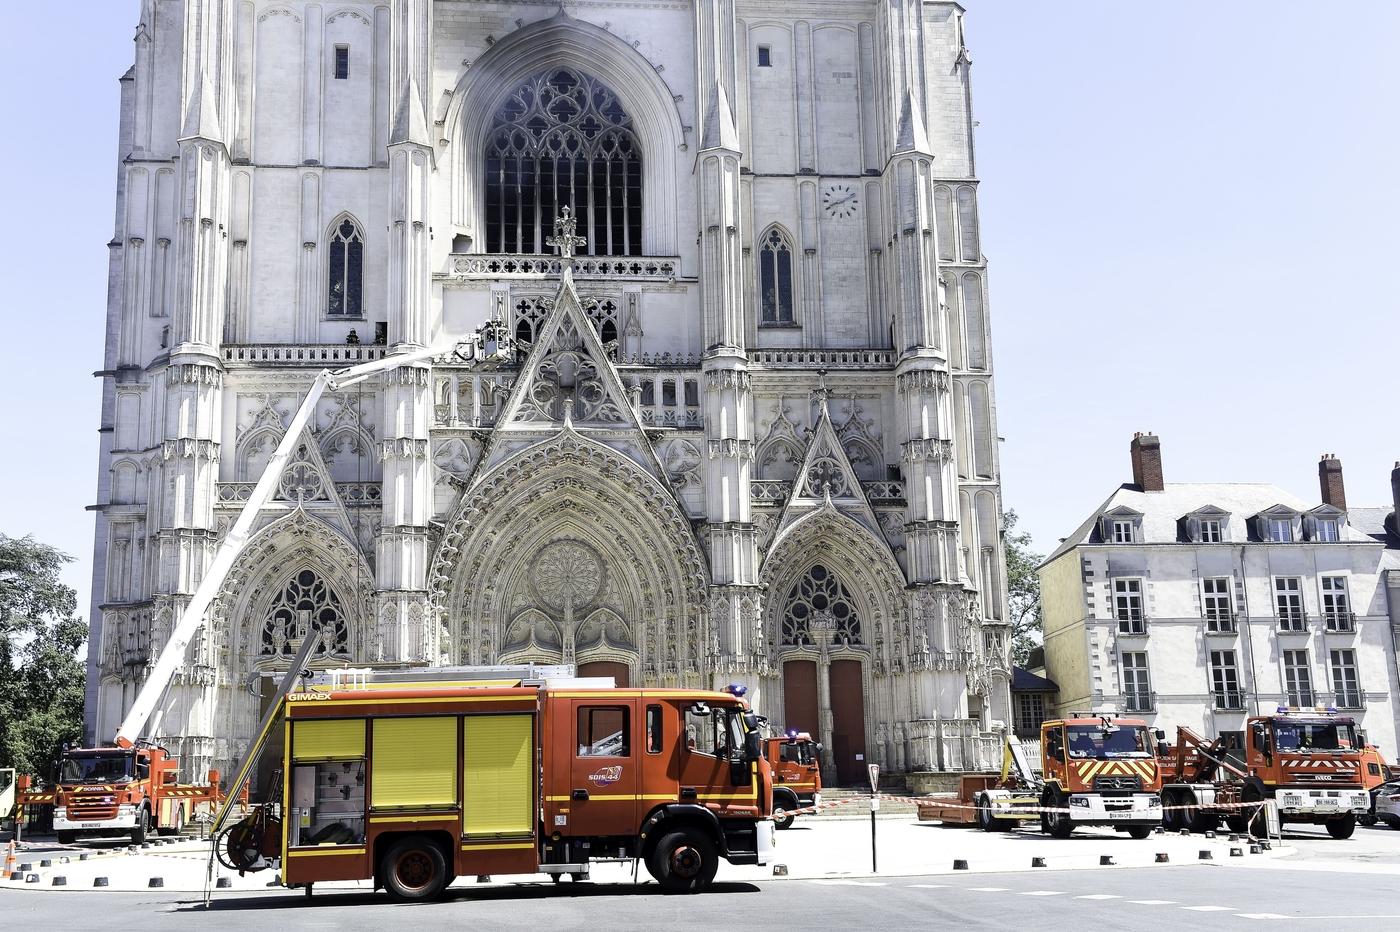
x=99 y=881
x=959 y=865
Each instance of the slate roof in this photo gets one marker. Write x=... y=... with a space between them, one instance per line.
x=1162 y=511
x=1023 y=680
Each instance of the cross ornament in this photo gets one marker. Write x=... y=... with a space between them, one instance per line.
x=564 y=241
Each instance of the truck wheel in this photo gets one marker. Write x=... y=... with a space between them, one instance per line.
x=985 y=821
x=177 y=827
x=1139 y=831
x=683 y=862
x=66 y=838
x=783 y=804
x=1342 y=828
x=142 y=826
x=1056 y=824
x=414 y=869
x=1392 y=822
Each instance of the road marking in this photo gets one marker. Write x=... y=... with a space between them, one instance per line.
x=988 y=889
x=1154 y=902
x=1209 y=909
x=1042 y=893
x=928 y=886
x=1099 y=896
x=851 y=883
x=1259 y=916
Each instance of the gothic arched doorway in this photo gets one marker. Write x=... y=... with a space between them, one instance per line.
x=621 y=675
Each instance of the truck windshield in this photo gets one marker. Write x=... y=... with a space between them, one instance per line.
x=114 y=767
x=1315 y=736
x=1095 y=741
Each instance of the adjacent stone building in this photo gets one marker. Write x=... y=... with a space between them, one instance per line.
x=754 y=442
x=1201 y=604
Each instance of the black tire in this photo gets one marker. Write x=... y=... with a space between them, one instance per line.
x=783 y=804
x=1196 y=820
x=1392 y=821
x=1056 y=824
x=413 y=870
x=142 y=827
x=1343 y=827
x=1254 y=815
x=1171 y=816
x=1139 y=831
x=683 y=861
x=66 y=838
x=985 y=820
x=179 y=825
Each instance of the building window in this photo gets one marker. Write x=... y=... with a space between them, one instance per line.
x=1030 y=712
x=342 y=62
x=765 y=56
x=305 y=601
x=775 y=278
x=1278 y=530
x=1327 y=530
x=344 y=289
x=1336 y=607
x=1297 y=678
x=820 y=602
x=1219 y=614
x=1122 y=532
x=1288 y=600
x=1225 y=680
x=1211 y=532
x=1127 y=606
x=563 y=140
x=1137 y=689
x=1345 y=683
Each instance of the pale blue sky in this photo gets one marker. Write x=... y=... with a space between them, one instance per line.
x=1188 y=208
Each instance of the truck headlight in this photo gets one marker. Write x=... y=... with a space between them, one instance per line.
x=1080 y=801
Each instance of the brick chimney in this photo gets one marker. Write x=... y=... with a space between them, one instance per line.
x=1147 y=462
x=1329 y=477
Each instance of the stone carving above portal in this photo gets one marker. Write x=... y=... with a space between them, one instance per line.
x=568 y=575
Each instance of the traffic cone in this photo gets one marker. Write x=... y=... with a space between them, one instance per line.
x=10 y=860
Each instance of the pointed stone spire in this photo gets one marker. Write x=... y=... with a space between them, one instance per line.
x=410 y=126
x=202 y=113
x=912 y=137
x=719 y=131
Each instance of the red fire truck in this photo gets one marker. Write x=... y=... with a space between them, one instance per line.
x=797 y=774
x=1100 y=769
x=413 y=779
x=126 y=791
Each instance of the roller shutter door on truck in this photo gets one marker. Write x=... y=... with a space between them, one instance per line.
x=415 y=762
x=499 y=763
x=334 y=739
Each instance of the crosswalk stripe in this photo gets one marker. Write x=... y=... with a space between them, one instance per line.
x=1209 y=909
x=987 y=889
x=1042 y=893
x=1154 y=902
x=928 y=886
x=1260 y=916
x=1099 y=896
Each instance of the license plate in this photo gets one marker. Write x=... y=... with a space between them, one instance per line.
x=1325 y=803
x=1123 y=814
x=89 y=825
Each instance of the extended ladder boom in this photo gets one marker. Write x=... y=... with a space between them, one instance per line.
x=488 y=344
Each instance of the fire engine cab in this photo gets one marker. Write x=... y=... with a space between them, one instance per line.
x=797 y=774
x=412 y=779
x=1099 y=769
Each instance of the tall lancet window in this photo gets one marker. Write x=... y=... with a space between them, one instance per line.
x=345 y=285
x=563 y=140
x=775 y=278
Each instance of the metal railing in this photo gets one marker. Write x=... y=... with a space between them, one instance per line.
x=1349 y=699
x=1139 y=701
x=1340 y=620
x=1292 y=619
x=1131 y=621
x=1220 y=621
x=1229 y=700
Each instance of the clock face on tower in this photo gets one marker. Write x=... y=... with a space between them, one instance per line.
x=840 y=201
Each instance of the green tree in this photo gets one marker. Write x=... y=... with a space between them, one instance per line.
x=41 y=674
x=1023 y=589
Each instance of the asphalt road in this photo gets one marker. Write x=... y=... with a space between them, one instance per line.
x=1189 y=898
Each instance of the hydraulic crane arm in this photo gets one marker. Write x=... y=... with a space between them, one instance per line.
x=488 y=344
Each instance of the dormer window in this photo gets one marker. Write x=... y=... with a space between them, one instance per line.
x=1206 y=525
x=1211 y=532
x=1278 y=530
x=1327 y=530
x=1121 y=525
x=1122 y=532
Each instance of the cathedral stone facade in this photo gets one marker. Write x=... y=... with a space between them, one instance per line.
x=748 y=432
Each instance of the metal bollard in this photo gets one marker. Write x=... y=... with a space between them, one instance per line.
x=31 y=878
x=1105 y=860
x=959 y=865
x=1037 y=862
x=224 y=883
x=46 y=862
x=156 y=882
x=60 y=881
x=1205 y=856
x=1162 y=858
x=16 y=875
x=99 y=881
x=84 y=856
x=1236 y=852
x=1255 y=849
x=26 y=867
